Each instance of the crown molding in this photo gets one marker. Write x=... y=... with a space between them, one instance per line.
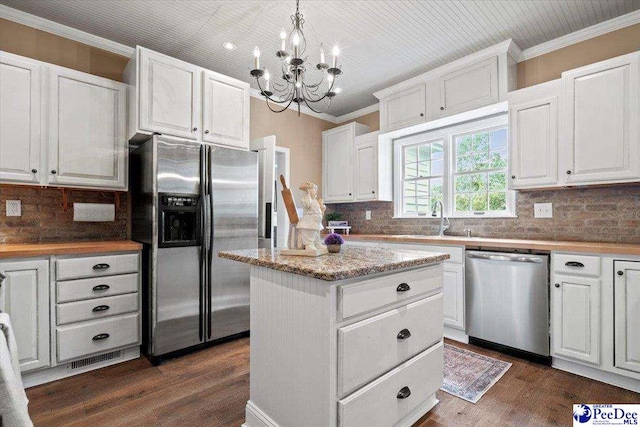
x=39 y=23
x=303 y=108
x=358 y=113
x=582 y=35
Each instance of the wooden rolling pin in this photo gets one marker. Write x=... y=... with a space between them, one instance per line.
x=289 y=203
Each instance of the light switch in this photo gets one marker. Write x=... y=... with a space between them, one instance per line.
x=14 y=208
x=367 y=215
x=543 y=210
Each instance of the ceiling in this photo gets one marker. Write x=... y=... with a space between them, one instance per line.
x=383 y=42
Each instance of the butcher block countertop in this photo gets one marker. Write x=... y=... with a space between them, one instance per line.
x=349 y=263
x=489 y=243
x=21 y=250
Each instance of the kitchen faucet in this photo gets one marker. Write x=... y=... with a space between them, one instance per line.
x=443 y=219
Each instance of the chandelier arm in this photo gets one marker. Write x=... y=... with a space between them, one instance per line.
x=316 y=111
x=279 y=111
x=267 y=97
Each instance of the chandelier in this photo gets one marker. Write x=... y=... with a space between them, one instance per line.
x=294 y=85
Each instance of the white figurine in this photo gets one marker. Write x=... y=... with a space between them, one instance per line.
x=310 y=224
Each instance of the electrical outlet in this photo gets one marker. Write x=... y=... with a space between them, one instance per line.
x=367 y=215
x=543 y=210
x=14 y=208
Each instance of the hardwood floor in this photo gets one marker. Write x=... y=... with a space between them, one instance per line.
x=211 y=388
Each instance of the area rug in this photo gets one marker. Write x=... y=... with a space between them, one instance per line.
x=470 y=375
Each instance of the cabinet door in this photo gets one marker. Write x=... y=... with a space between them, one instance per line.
x=169 y=95
x=24 y=294
x=470 y=87
x=601 y=121
x=575 y=306
x=627 y=315
x=337 y=162
x=453 y=295
x=20 y=120
x=87 y=143
x=404 y=108
x=534 y=143
x=226 y=111
x=366 y=171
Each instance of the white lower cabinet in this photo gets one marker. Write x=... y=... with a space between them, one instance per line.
x=627 y=315
x=453 y=291
x=24 y=295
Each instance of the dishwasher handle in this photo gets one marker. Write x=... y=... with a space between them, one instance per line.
x=527 y=259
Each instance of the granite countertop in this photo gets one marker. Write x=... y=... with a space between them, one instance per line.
x=493 y=243
x=18 y=250
x=350 y=262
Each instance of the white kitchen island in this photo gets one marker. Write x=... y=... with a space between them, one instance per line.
x=350 y=339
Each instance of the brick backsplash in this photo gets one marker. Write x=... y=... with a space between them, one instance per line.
x=44 y=220
x=603 y=214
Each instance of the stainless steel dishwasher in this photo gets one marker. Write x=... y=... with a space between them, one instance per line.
x=507 y=301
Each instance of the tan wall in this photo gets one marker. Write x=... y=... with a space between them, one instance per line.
x=302 y=135
x=372 y=120
x=47 y=47
x=550 y=66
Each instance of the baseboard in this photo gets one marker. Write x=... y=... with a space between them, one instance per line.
x=418 y=412
x=456 y=335
x=254 y=417
x=64 y=370
x=597 y=374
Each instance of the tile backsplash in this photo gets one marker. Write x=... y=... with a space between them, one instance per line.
x=602 y=214
x=44 y=220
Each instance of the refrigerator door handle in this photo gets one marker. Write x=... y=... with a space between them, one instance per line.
x=210 y=237
x=203 y=251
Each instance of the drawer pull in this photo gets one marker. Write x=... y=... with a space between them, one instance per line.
x=100 y=308
x=403 y=287
x=574 y=264
x=100 y=288
x=404 y=334
x=99 y=267
x=404 y=393
x=100 y=337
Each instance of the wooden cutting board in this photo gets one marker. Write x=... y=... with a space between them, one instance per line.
x=289 y=203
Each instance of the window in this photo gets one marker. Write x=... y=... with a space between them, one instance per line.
x=463 y=166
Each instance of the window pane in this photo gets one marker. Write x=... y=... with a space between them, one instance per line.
x=464 y=184
x=422 y=188
x=499 y=159
x=463 y=145
x=498 y=201
x=463 y=203
x=422 y=205
x=481 y=161
x=481 y=142
x=499 y=139
x=464 y=163
x=479 y=202
x=497 y=181
x=479 y=182
x=410 y=154
x=436 y=188
x=410 y=189
x=410 y=206
x=424 y=169
x=437 y=167
x=436 y=151
x=411 y=170
x=423 y=152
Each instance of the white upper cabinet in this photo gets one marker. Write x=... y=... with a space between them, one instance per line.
x=404 y=108
x=20 y=120
x=601 y=124
x=169 y=98
x=226 y=110
x=470 y=87
x=373 y=168
x=338 y=162
x=627 y=315
x=533 y=144
x=87 y=143
x=24 y=295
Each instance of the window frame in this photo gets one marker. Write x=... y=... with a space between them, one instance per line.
x=448 y=135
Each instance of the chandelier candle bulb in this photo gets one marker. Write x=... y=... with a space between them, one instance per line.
x=256 y=54
x=266 y=80
x=336 y=52
x=283 y=40
x=322 y=53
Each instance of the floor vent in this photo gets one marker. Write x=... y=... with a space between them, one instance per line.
x=95 y=359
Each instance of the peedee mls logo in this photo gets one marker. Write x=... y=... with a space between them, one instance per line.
x=606 y=415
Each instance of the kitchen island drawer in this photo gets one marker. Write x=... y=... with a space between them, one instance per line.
x=81 y=289
x=391 y=397
x=97 y=336
x=583 y=265
x=80 y=311
x=375 y=293
x=73 y=268
x=369 y=348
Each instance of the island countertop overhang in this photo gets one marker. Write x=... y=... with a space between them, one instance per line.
x=351 y=262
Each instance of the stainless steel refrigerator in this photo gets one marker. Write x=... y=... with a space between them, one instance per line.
x=190 y=201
